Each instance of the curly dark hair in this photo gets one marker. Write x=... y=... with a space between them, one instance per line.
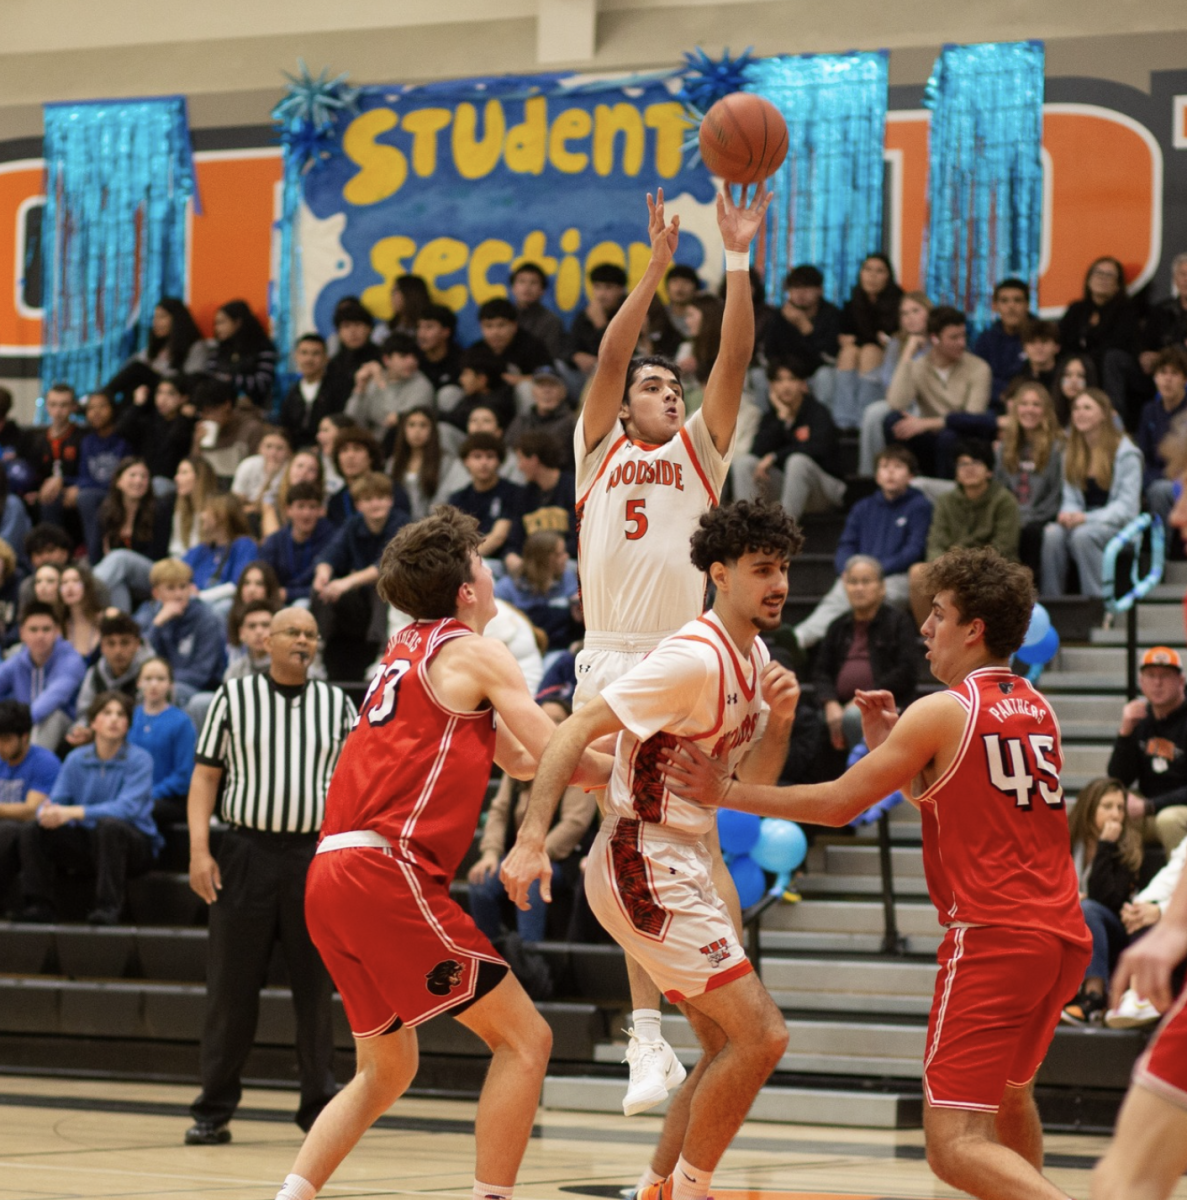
x=988 y=587
x=725 y=533
x=426 y=562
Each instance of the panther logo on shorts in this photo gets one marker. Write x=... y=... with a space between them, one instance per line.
x=444 y=977
x=717 y=952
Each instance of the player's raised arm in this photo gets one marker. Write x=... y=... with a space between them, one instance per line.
x=723 y=390
x=604 y=398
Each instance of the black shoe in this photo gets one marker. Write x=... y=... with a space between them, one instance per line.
x=1088 y=1008
x=35 y=913
x=103 y=916
x=207 y=1133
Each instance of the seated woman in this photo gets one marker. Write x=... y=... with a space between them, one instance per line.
x=327 y=434
x=1102 y=493
x=98 y=817
x=1107 y=851
x=304 y=467
x=131 y=533
x=698 y=353
x=160 y=429
x=1074 y=376
x=257 y=478
x=257 y=583
x=545 y=591
x=175 y=347
x=356 y=453
x=1030 y=465
x=243 y=355
x=224 y=551
x=80 y=603
x=419 y=464
x=868 y=320
x=195 y=482
x=168 y=735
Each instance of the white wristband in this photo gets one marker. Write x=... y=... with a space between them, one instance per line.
x=737 y=260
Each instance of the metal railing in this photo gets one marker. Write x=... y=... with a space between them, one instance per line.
x=1134 y=534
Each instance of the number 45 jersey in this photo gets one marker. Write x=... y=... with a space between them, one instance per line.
x=412 y=769
x=995 y=833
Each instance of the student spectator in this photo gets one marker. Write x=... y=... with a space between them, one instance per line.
x=438 y=355
x=1001 y=344
x=249 y=626
x=122 y=653
x=606 y=289
x=47 y=582
x=355 y=453
x=658 y=335
x=102 y=450
x=257 y=478
x=309 y=399
x=349 y=613
x=696 y=356
x=175 y=347
x=873 y=646
x=45 y=673
x=195 y=482
x=167 y=735
x=481 y=386
x=14 y=516
x=182 y=630
x=1040 y=348
x=12 y=436
x=909 y=342
x=410 y=300
x=226 y=433
x=516 y=351
x=133 y=534
x=549 y=413
x=226 y=548
x=1166 y=323
x=1104 y=326
x=495 y=502
x=795 y=453
x=160 y=432
x=889 y=526
x=548 y=500
x=293 y=550
x=868 y=320
x=1073 y=377
x=259 y=583
x=81 y=610
x=383 y=391
x=1102 y=493
x=27 y=777
x=54 y=454
x=327 y=434
x=44 y=544
x=948 y=379
x=682 y=283
x=1150 y=750
x=304 y=467
x=528 y=285
x=1107 y=851
x=243 y=355
x=99 y=816
x=1030 y=466
x=9 y=588
x=354 y=328
x=979 y=511
x=418 y=462
x=545 y=590
x=807 y=327
x=1167 y=407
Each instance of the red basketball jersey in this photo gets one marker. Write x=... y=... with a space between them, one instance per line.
x=995 y=835
x=412 y=769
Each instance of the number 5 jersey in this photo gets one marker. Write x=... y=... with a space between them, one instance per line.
x=995 y=833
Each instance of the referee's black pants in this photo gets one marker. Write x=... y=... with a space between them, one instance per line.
x=262 y=899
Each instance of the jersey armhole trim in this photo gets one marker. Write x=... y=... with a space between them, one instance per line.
x=971 y=706
x=696 y=462
x=593 y=483
x=422 y=673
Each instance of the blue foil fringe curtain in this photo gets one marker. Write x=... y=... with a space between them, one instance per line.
x=119 y=174
x=828 y=205
x=985 y=183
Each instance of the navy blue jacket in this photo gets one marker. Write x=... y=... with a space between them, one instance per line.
x=355 y=547
x=1003 y=352
x=894 y=532
x=193 y=644
x=1153 y=425
x=294 y=564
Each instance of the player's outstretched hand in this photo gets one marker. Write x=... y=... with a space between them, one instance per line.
x=1147 y=965
x=664 y=234
x=878 y=716
x=738 y=225
x=521 y=868
x=780 y=690
x=692 y=775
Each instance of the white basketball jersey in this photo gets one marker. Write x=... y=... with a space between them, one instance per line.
x=637 y=507
x=694 y=685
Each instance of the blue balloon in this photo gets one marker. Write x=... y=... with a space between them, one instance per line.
x=1041 y=652
x=737 y=831
x=1040 y=624
x=781 y=846
x=748 y=879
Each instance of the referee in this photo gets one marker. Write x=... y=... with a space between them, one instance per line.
x=276 y=739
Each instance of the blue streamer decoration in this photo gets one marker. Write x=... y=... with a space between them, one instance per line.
x=828 y=202
x=706 y=80
x=307 y=120
x=119 y=174
x=985 y=183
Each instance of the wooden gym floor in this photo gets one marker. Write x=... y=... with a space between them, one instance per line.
x=61 y=1139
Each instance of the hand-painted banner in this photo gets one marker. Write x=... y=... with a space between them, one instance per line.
x=459 y=182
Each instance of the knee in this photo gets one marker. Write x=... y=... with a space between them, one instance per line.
x=1171 y=826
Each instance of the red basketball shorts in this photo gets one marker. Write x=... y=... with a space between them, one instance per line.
x=1162 y=1069
x=394 y=942
x=999 y=993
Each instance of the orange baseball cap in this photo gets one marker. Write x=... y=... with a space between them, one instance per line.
x=1162 y=656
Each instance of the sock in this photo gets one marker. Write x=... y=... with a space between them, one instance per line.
x=645 y=1022
x=492 y=1191
x=296 y=1188
x=648 y=1178
x=689 y=1182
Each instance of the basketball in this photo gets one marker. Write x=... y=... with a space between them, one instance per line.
x=743 y=138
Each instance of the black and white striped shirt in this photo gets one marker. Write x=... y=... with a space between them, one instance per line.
x=278 y=746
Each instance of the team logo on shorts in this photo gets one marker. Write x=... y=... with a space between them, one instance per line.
x=717 y=952
x=444 y=977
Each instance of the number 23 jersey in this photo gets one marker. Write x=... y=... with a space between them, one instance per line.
x=995 y=831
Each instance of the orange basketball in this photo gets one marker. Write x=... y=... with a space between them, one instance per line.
x=743 y=138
